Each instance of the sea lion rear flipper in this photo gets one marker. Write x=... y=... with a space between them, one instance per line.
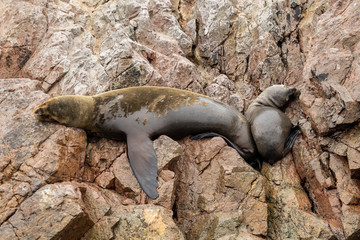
x=291 y=140
x=143 y=162
x=213 y=134
x=254 y=162
x=205 y=135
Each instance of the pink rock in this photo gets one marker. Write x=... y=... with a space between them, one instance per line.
x=351 y=221
x=354 y=162
x=349 y=189
x=203 y=162
x=230 y=50
x=125 y=181
x=54 y=210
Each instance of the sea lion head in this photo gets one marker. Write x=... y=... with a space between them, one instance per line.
x=276 y=96
x=71 y=111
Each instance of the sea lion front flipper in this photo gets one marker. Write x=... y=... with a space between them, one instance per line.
x=143 y=162
x=291 y=140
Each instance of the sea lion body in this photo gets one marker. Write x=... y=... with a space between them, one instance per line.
x=140 y=114
x=176 y=113
x=272 y=130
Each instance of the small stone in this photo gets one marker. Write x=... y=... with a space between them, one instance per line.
x=167 y=175
x=254 y=215
x=53 y=211
x=354 y=162
x=145 y=221
x=351 y=221
x=309 y=225
x=349 y=189
x=102 y=230
x=166 y=190
x=125 y=181
x=167 y=151
x=106 y=180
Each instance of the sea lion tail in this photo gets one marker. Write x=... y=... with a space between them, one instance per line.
x=143 y=162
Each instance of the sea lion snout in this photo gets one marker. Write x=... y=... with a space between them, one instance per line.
x=292 y=91
x=40 y=113
x=37 y=111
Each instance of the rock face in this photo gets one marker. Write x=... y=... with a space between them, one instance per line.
x=58 y=182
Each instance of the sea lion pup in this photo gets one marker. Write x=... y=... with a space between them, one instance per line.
x=272 y=130
x=140 y=114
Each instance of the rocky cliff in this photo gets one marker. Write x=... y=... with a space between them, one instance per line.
x=60 y=183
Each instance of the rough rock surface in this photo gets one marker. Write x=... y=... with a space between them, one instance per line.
x=57 y=181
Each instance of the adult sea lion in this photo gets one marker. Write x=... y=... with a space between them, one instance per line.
x=140 y=114
x=272 y=130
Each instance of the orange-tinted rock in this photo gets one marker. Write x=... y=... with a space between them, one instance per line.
x=167 y=152
x=125 y=181
x=19 y=38
x=254 y=215
x=230 y=50
x=354 y=162
x=199 y=204
x=348 y=189
x=315 y=173
x=166 y=190
x=332 y=59
x=331 y=108
x=145 y=221
x=351 y=221
x=32 y=152
x=54 y=211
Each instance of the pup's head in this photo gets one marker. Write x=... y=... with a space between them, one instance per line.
x=277 y=95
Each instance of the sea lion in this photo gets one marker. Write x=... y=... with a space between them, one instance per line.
x=271 y=129
x=140 y=114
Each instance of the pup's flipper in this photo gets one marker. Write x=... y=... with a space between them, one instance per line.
x=256 y=163
x=291 y=140
x=143 y=162
x=205 y=135
x=213 y=134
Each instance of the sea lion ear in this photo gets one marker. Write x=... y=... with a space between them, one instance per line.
x=143 y=162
